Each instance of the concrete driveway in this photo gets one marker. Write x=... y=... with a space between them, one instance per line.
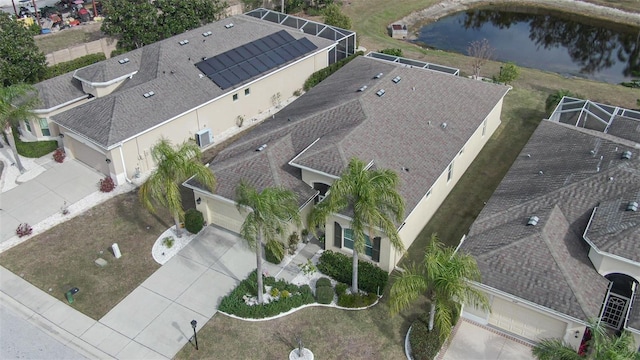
x=478 y=342
x=158 y=313
x=43 y=196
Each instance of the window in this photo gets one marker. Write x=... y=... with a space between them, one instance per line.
x=247 y=91
x=235 y=97
x=44 y=126
x=484 y=127
x=348 y=242
x=27 y=124
x=450 y=172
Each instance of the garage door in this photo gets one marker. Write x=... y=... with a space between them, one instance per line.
x=523 y=321
x=88 y=155
x=226 y=222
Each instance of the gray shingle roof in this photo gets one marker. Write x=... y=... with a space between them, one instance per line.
x=560 y=176
x=59 y=90
x=167 y=69
x=392 y=130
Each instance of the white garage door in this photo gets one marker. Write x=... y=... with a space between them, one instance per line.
x=88 y=155
x=226 y=222
x=523 y=321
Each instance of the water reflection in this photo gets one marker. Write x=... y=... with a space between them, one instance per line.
x=596 y=51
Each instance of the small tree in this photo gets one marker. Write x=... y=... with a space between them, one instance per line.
x=20 y=59
x=481 y=52
x=508 y=73
x=334 y=17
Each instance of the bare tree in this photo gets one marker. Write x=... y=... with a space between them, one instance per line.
x=481 y=51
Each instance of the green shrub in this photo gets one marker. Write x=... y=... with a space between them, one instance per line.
x=341 y=288
x=235 y=304
x=323 y=281
x=392 y=51
x=324 y=294
x=33 y=149
x=322 y=74
x=119 y=51
x=425 y=344
x=75 y=64
x=356 y=300
x=275 y=292
x=193 y=221
x=371 y=278
x=274 y=251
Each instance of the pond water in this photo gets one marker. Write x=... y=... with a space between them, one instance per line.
x=552 y=41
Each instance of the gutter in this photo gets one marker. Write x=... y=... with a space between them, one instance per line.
x=107 y=83
x=44 y=111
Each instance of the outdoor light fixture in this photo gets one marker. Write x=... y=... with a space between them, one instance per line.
x=576 y=333
x=195 y=335
x=61 y=136
x=198 y=201
x=108 y=160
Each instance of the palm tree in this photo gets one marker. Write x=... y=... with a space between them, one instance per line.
x=444 y=278
x=269 y=211
x=602 y=346
x=16 y=103
x=174 y=167
x=373 y=197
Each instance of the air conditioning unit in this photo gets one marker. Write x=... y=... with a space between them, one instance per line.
x=204 y=138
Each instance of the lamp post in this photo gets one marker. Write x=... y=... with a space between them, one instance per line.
x=195 y=335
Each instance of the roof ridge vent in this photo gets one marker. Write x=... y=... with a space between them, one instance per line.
x=378 y=76
x=184 y=42
x=148 y=94
x=229 y=25
x=381 y=92
x=626 y=155
x=123 y=61
x=363 y=88
x=632 y=206
x=207 y=33
x=533 y=221
x=396 y=79
x=261 y=147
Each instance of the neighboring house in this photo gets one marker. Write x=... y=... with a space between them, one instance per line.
x=198 y=85
x=426 y=125
x=558 y=243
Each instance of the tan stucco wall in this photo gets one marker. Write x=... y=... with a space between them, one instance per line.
x=606 y=265
x=100 y=91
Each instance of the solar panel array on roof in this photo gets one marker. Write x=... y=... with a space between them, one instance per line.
x=257 y=57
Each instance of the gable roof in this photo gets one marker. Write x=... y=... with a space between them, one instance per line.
x=168 y=69
x=59 y=90
x=334 y=122
x=561 y=175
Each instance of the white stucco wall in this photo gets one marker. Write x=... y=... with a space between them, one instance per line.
x=606 y=264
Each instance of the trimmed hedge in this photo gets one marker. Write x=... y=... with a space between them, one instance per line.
x=371 y=278
x=193 y=221
x=356 y=300
x=68 y=66
x=322 y=74
x=324 y=294
x=274 y=251
x=323 y=281
x=234 y=302
x=341 y=288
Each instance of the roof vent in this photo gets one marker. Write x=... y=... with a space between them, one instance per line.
x=206 y=33
x=184 y=42
x=626 y=155
x=363 y=88
x=261 y=147
x=632 y=206
x=396 y=79
x=123 y=61
x=529 y=155
x=533 y=221
x=443 y=125
x=381 y=92
x=229 y=25
x=540 y=172
x=148 y=94
x=378 y=76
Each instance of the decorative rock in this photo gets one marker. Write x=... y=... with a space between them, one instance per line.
x=101 y=262
x=306 y=354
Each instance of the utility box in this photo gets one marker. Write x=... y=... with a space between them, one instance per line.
x=69 y=294
x=116 y=251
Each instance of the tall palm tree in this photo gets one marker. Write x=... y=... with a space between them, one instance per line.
x=268 y=212
x=602 y=346
x=16 y=104
x=443 y=277
x=174 y=167
x=373 y=197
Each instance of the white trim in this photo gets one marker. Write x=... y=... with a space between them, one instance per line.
x=79 y=137
x=225 y=94
x=44 y=111
x=107 y=83
x=604 y=253
x=124 y=167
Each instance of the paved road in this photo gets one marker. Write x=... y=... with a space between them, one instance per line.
x=19 y=339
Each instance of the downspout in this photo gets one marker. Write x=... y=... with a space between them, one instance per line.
x=124 y=167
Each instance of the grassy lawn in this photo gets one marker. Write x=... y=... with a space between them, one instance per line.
x=64 y=256
x=68 y=37
x=329 y=333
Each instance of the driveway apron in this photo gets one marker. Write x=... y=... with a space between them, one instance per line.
x=188 y=287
